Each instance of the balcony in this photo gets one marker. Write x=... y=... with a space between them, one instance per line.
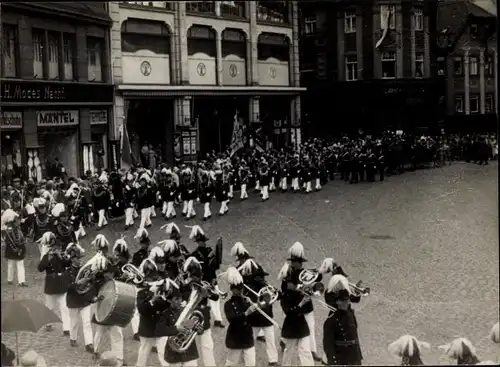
x=167 y=5
x=232 y=9
x=200 y=7
x=276 y=12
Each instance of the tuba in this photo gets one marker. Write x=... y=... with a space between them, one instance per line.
x=131 y=273
x=84 y=279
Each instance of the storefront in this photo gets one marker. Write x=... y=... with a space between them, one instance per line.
x=11 y=145
x=61 y=124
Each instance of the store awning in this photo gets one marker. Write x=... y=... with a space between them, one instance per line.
x=153 y=91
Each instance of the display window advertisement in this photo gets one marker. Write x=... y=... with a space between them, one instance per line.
x=11 y=145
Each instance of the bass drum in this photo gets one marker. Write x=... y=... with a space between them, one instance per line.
x=117 y=306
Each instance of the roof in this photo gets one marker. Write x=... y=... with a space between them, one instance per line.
x=453 y=14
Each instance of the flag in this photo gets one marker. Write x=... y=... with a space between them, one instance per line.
x=387 y=18
x=126 y=160
x=238 y=139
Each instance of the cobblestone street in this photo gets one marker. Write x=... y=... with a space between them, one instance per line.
x=425 y=242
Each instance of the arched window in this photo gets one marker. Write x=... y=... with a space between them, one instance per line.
x=157 y=40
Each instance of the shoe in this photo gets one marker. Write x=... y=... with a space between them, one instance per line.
x=272 y=364
x=316 y=357
x=96 y=356
x=66 y=333
x=219 y=324
x=261 y=338
x=22 y=285
x=282 y=346
x=48 y=327
x=89 y=348
x=136 y=337
x=154 y=350
x=73 y=343
x=9 y=282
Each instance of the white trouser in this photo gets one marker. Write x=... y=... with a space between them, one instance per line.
x=102 y=218
x=308 y=185
x=318 y=184
x=311 y=324
x=145 y=217
x=223 y=207
x=115 y=337
x=170 y=210
x=136 y=215
x=83 y=314
x=153 y=211
x=54 y=301
x=193 y=363
x=129 y=216
x=190 y=209
x=80 y=233
x=234 y=357
x=272 y=185
x=21 y=274
x=185 y=207
x=206 y=344
x=134 y=323
x=243 y=194
x=295 y=184
x=257 y=185
x=145 y=350
x=231 y=192
x=215 y=309
x=265 y=192
x=206 y=210
x=164 y=207
x=283 y=184
x=303 y=349
x=268 y=333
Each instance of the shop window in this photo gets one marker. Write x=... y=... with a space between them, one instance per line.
x=310 y=25
x=418 y=19
x=351 y=68
x=95 y=48
x=488 y=106
x=69 y=55
x=473 y=65
x=272 y=11
x=9 y=41
x=419 y=65
x=38 y=49
x=458 y=66
x=388 y=65
x=474 y=104
x=54 y=47
x=207 y=7
x=350 y=22
x=11 y=161
x=459 y=104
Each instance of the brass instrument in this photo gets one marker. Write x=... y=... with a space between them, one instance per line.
x=84 y=279
x=310 y=287
x=211 y=289
x=259 y=310
x=357 y=289
x=266 y=296
x=131 y=273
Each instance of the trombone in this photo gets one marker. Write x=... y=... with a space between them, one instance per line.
x=357 y=289
x=268 y=291
x=310 y=287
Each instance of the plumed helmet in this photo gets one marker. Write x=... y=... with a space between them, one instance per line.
x=58 y=210
x=296 y=252
x=172 y=230
x=8 y=217
x=100 y=242
x=192 y=266
x=197 y=234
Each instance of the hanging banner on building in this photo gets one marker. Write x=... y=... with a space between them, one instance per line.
x=57 y=118
x=11 y=120
x=98 y=117
x=238 y=139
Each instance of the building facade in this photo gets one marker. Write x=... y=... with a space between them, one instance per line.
x=186 y=70
x=56 y=94
x=369 y=64
x=468 y=63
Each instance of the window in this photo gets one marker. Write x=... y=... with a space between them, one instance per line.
x=488 y=105
x=459 y=104
x=474 y=103
x=38 y=45
x=232 y=9
x=441 y=67
x=419 y=65
x=389 y=65
x=350 y=22
x=351 y=68
x=95 y=47
x=200 y=7
x=273 y=11
x=473 y=30
x=69 y=54
x=387 y=15
x=310 y=25
x=418 y=19
x=9 y=41
x=321 y=65
x=488 y=67
x=54 y=47
x=473 y=65
x=458 y=66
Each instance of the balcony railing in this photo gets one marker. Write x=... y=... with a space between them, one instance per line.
x=204 y=7
x=273 y=12
x=167 y=5
x=232 y=9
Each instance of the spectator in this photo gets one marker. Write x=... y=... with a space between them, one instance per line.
x=8 y=356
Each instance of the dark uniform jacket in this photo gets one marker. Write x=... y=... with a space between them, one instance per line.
x=239 y=332
x=139 y=256
x=144 y=197
x=76 y=300
x=56 y=279
x=203 y=255
x=41 y=223
x=129 y=196
x=101 y=198
x=65 y=234
x=154 y=320
x=15 y=244
x=206 y=193
x=256 y=319
x=295 y=325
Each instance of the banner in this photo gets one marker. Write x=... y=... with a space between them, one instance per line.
x=126 y=160
x=387 y=18
x=238 y=139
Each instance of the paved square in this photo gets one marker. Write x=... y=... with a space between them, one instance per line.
x=425 y=242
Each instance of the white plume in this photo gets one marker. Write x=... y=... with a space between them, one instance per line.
x=46 y=238
x=141 y=232
x=37 y=202
x=156 y=252
x=103 y=177
x=130 y=177
x=233 y=276
x=297 y=250
x=169 y=246
x=58 y=209
x=164 y=170
x=8 y=217
x=100 y=241
x=169 y=228
x=47 y=195
x=495 y=333
x=196 y=230
x=284 y=271
x=189 y=262
x=170 y=284
x=120 y=245
x=459 y=348
x=238 y=249
x=145 y=177
x=338 y=283
x=97 y=263
x=404 y=346
x=326 y=266
x=248 y=267
x=146 y=261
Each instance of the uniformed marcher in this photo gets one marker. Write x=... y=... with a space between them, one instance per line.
x=130 y=192
x=144 y=201
x=495 y=333
x=243 y=176
x=240 y=253
x=62 y=227
x=409 y=349
x=15 y=246
x=102 y=200
x=462 y=350
x=206 y=194
x=239 y=336
x=340 y=330
x=55 y=265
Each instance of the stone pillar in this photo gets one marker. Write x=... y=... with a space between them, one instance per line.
x=25 y=37
x=183 y=42
x=252 y=57
x=30 y=128
x=85 y=128
x=359 y=41
x=217 y=8
x=399 y=42
x=218 y=61
x=295 y=132
x=482 y=83
x=294 y=63
x=427 y=49
x=116 y=44
x=82 y=69
x=254 y=114
x=119 y=114
x=466 y=81
x=495 y=65
x=340 y=47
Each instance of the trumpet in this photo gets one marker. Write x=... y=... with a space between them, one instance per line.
x=132 y=273
x=259 y=310
x=211 y=289
x=357 y=289
x=266 y=296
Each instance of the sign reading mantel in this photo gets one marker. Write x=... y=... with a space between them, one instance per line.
x=57 y=118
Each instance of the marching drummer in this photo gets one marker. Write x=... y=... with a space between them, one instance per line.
x=122 y=254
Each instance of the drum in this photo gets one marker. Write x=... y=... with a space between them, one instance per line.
x=118 y=305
